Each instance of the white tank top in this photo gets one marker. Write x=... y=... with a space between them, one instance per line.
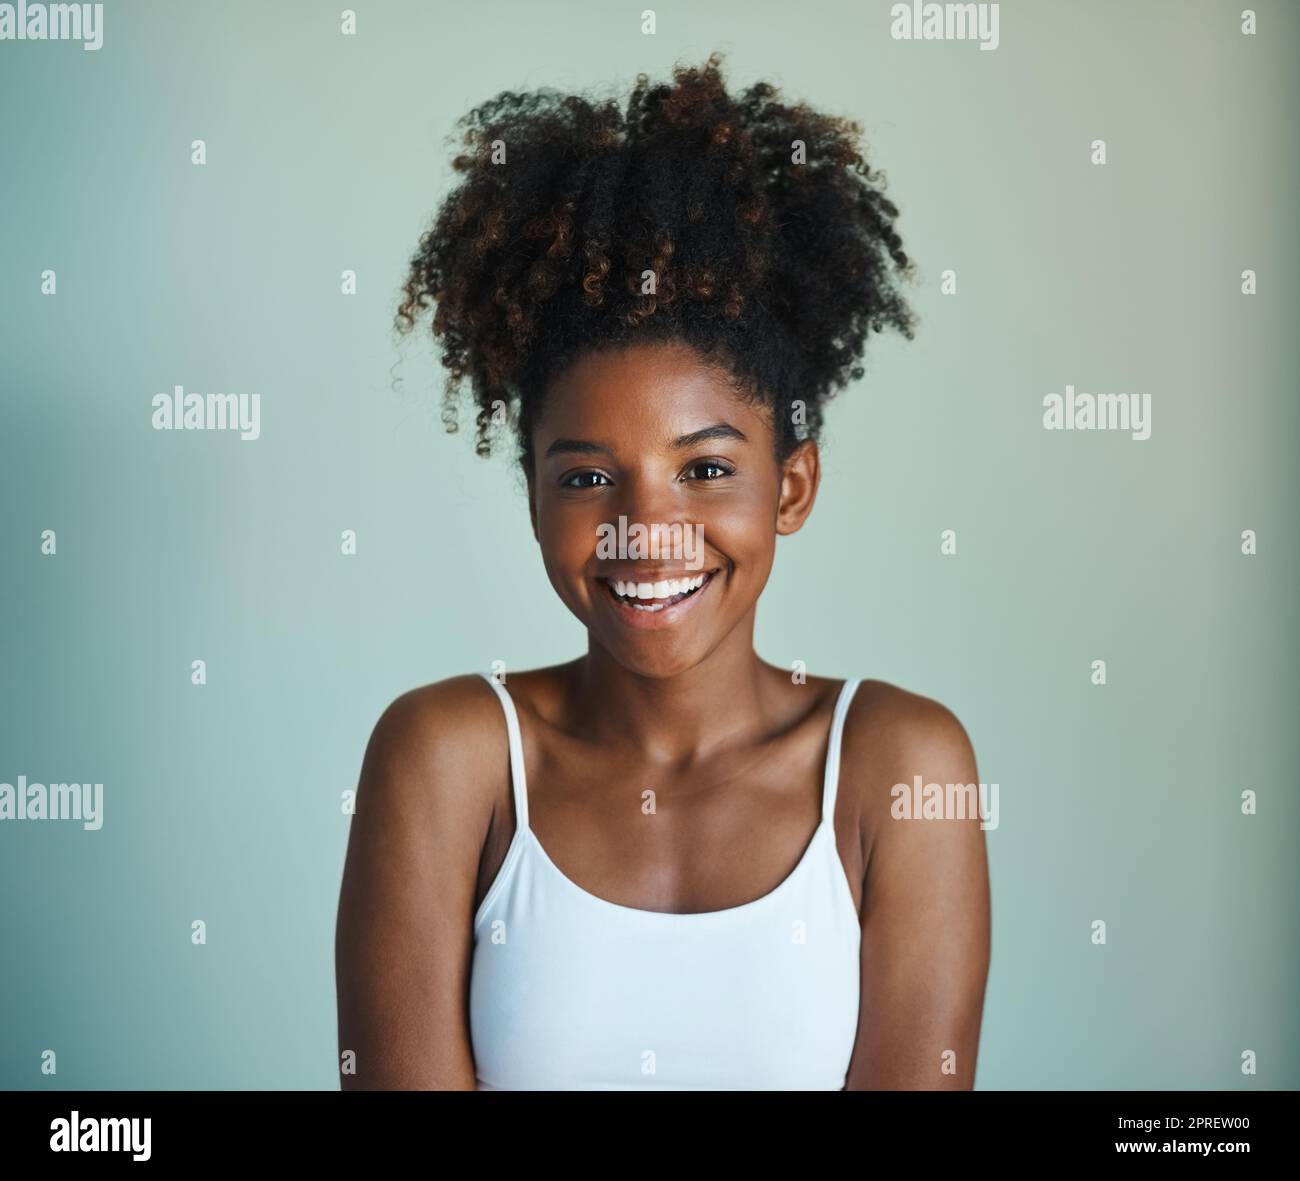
x=569 y=991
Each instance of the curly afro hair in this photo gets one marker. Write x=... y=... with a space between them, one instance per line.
x=769 y=240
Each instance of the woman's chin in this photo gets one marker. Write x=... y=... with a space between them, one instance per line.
x=657 y=664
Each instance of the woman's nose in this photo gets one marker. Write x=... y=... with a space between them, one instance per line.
x=652 y=501
x=659 y=510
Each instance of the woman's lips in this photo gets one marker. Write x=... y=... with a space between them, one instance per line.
x=653 y=613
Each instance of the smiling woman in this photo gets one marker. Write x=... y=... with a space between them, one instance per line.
x=667 y=863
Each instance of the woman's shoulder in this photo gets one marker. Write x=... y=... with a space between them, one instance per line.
x=455 y=718
x=892 y=734
x=430 y=715
x=437 y=759
x=900 y=717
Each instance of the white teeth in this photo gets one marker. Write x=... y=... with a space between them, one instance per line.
x=663 y=589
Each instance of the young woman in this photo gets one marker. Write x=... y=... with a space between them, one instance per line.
x=667 y=863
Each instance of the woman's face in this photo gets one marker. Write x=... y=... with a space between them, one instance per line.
x=651 y=435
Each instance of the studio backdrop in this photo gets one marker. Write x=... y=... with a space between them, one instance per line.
x=1066 y=509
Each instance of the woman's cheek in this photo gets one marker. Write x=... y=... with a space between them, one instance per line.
x=567 y=542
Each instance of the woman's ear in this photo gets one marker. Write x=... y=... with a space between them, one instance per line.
x=800 y=476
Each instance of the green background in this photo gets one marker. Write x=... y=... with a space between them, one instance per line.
x=326 y=153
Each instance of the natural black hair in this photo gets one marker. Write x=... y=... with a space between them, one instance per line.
x=769 y=237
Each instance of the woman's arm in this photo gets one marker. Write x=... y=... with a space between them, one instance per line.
x=925 y=912
x=403 y=938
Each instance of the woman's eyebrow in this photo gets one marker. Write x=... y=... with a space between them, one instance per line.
x=576 y=447
x=719 y=430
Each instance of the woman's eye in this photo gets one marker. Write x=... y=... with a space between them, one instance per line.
x=582 y=480
x=700 y=470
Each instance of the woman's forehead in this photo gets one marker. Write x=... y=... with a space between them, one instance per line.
x=662 y=390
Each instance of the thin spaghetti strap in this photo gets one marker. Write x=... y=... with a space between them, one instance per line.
x=831 y=780
x=518 y=783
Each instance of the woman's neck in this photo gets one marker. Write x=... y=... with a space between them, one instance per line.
x=680 y=717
